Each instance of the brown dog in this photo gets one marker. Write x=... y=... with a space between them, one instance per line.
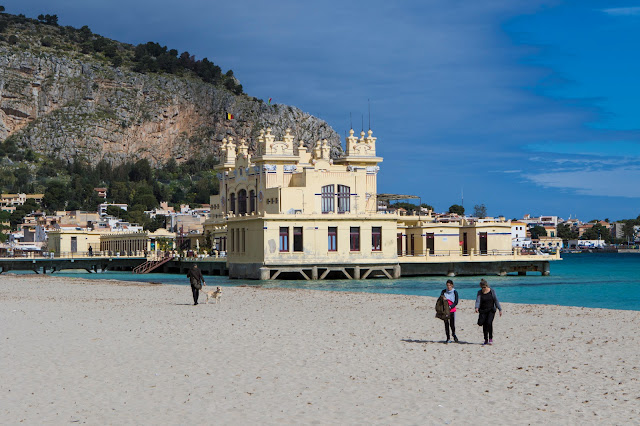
x=214 y=294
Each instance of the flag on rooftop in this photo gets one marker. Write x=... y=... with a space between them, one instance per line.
x=269 y=101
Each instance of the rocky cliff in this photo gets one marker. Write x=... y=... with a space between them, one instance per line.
x=63 y=103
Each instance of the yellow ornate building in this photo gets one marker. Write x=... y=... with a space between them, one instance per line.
x=289 y=211
x=292 y=210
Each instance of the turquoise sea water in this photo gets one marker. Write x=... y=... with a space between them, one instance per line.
x=599 y=280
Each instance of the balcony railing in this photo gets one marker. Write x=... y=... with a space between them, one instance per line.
x=471 y=254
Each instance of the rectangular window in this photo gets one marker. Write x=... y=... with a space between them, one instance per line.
x=297 y=238
x=284 y=238
x=354 y=238
x=376 y=238
x=232 y=240
x=344 y=199
x=327 y=199
x=333 y=239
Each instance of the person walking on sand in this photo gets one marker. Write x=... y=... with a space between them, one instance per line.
x=451 y=295
x=486 y=305
x=196 y=279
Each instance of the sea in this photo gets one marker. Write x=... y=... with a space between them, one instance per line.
x=593 y=280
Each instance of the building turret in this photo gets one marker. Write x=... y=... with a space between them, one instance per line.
x=360 y=151
x=227 y=155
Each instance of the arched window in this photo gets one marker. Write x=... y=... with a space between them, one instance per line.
x=327 y=199
x=242 y=201
x=252 y=201
x=344 y=199
x=232 y=202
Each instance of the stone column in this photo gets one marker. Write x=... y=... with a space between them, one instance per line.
x=546 y=269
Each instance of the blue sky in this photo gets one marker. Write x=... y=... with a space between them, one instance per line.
x=526 y=106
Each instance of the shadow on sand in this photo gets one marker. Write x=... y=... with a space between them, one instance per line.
x=442 y=342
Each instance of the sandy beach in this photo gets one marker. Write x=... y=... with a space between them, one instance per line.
x=108 y=352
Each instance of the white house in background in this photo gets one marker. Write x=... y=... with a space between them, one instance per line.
x=548 y=243
x=102 y=208
x=541 y=220
x=586 y=244
x=519 y=235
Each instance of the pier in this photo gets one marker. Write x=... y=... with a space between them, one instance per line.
x=50 y=265
x=103 y=261
x=435 y=264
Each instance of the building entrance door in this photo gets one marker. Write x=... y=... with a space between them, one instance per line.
x=483 y=243
x=431 y=243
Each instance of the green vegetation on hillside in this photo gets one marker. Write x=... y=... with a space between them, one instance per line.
x=70 y=186
x=150 y=57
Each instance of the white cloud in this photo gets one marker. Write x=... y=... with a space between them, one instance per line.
x=621 y=182
x=623 y=11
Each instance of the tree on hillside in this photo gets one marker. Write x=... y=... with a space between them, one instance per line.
x=48 y=19
x=119 y=192
x=115 y=211
x=627 y=229
x=141 y=171
x=456 y=208
x=566 y=233
x=21 y=211
x=4 y=218
x=404 y=205
x=55 y=196
x=538 y=231
x=427 y=206
x=597 y=232
x=480 y=210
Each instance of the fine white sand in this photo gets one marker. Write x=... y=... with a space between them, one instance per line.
x=108 y=352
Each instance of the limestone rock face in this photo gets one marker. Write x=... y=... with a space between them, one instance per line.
x=66 y=106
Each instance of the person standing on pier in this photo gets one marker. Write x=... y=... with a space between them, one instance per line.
x=196 y=279
x=451 y=294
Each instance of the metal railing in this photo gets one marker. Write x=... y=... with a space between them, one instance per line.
x=73 y=254
x=149 y=255
x=471 y=253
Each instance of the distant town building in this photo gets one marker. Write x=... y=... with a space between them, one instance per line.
x=617 y=230
x=541 y=220
x=102 y=192
x=519 y=237
x=69 y=239
x=548 y=243
x=9 y=202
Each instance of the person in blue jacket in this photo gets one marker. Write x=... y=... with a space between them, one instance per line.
x=451 y=294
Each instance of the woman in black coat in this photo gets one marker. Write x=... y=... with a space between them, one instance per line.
x=486 y=305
